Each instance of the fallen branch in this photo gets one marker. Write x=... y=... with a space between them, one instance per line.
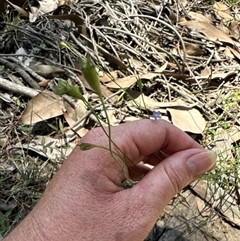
x=16 y=88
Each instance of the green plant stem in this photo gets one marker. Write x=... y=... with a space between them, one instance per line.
x=121 y=163
x=109 y=137
x=109 y=125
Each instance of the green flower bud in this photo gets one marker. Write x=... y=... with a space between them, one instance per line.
x=64 y=88
x=90 y=74
x=86 y=146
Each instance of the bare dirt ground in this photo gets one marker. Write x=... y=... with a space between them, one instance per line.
x=179 y=58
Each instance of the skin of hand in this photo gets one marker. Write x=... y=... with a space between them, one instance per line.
x=85 y=200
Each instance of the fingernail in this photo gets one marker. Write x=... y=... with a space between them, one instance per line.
x=201 y=163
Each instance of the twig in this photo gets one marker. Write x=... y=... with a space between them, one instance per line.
x=18 y=89
x=157 y=47
x=29 y=70
x=23 y=73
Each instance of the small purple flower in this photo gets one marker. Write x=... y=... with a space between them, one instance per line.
x=156 y=115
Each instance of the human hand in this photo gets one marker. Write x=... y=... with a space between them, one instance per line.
x=85 y=199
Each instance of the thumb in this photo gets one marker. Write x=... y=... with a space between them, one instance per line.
x=171 y=175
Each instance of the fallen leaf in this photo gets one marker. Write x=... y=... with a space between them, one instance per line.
x=199 y=17
x=131 y=118
x=80 y=109
x=143 y=101
x=137 y=63
x=68 y=118
x=123 y=83
x=47 y=6
x=128 y=81
x=180 y=76
x=223 y=28
x=222 y=11
x=46 y=146
x=193 y=49
x=46 y=70
x=112 y=119
x=234 y=29
x=107 y=78
x=20 y=10
x=207 y=29
x=229 y=53
x=43 y=83
x=190 y=120
x=107 y=93
x=80 y=130
x=234 y=52
x=43 y=106
x=34 y=14
x=162 y=68
x=206 y=72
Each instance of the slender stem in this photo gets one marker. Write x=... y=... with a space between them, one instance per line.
x=121 y=163
x=109 y=137
x=109 y=124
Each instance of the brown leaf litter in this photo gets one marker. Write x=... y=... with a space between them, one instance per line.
x=181 y=59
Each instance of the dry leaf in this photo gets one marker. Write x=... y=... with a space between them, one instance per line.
x=162 y=68
x=47 y=6
x=124 y=83
x=106 y=93
x=111 y=116
x=80 y=130
x=234 y=52
x=223 y=28
x=235 y=29
x=180 y=76
x=72 y=116
x=207 y=29
x=43 y=106
x=190 y=120
x=34 y=14
x=107 y=78
x=46 y=70
x=218 y=76
x=193 y=49
x=128 y=81
x=222 y=11
x=199 y=17
x=20 y=10
x=137 y=63
x=143 y=101
x=228 y=53
x=48 y=147
x=80 y=109
x=68 y=118
x=131 y=118
x=206 y=72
